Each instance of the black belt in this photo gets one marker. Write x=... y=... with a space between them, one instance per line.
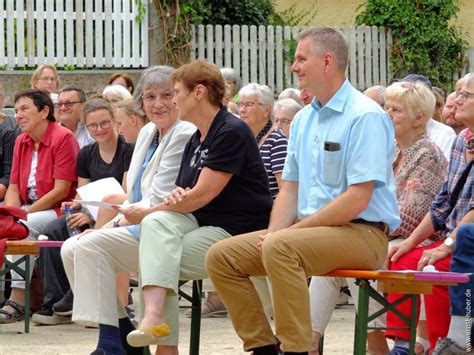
x=379 y=225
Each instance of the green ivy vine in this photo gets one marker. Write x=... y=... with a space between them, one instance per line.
x=177 y=17
x=424 y=39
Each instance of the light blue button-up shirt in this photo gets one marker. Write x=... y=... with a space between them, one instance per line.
x=348 y=141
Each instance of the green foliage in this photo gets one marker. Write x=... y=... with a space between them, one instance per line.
x=176 y=17
x=70 y=67
x=289 y=50
x=175 y=21
x=243 y=12
x=239 y=12
x=423 y=40
x=141 y=10
x=196 y=11
x=294 y=17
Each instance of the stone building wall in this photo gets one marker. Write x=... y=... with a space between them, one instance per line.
x=91 y=81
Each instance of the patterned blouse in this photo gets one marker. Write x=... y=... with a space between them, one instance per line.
x=420 y=172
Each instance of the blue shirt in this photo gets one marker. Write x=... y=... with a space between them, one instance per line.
x=134 y=229
x=348 y=141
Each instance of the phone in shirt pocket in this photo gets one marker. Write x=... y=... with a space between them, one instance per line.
x=332 y=162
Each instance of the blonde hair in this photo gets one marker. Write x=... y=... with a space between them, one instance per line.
x=128 y=107
x=37 y=73
x=417 y=98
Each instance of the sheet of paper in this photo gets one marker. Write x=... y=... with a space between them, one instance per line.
x=98 y=204
x=97 y=190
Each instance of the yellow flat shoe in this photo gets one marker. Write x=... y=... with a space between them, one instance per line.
x=148 y=336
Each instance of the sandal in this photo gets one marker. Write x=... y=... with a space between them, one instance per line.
x=210 y=310
x=17 y=315
x=148 y=335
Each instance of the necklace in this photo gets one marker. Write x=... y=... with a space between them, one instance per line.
x=264 y=131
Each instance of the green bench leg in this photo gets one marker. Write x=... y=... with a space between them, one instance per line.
x=360 y=338
x=24 y=274
x=27 y=279
x=195 y=318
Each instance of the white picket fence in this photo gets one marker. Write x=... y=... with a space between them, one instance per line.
x=67 y=33
x=256 y=53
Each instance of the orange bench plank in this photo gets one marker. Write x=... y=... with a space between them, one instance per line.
x=29 y=247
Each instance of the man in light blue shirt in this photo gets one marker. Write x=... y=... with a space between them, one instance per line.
x=334 y=211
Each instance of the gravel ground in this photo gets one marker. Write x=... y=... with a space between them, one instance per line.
x=217 y=337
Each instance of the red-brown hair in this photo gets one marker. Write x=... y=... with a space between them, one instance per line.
x=201 y=72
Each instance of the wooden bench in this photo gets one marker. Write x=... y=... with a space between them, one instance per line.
x=25 y=248
x=409 y=283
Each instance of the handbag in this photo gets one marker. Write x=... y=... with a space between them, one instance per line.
x=11 y=227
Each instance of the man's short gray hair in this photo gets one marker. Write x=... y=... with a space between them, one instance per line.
x=380 y=90
x=80 y=93
x=327 y=39
x=230 y=75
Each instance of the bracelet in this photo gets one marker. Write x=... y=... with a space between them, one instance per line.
x=117 y=223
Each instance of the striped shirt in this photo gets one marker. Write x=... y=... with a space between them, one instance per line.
x=273 y=152
x=444 y=216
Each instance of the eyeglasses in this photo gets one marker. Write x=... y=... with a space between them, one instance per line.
x=247 y=104
x=464 y=95
x=66 y=104
x=48 y=79
x=95 y=126
x=164 y=96
x=282 y=121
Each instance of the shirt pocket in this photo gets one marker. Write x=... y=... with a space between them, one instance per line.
x=332 y=165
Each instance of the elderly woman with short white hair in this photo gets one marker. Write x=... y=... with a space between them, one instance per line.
x=115 y=94
x=291 y=93
x=283 y=112
x=255 y=108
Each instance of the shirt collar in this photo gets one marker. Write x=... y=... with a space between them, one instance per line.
x=47 y=136
x=337 y=101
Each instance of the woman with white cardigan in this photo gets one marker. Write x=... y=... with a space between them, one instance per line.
x=151 y=178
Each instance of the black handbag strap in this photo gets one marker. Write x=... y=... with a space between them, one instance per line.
x=460 y=184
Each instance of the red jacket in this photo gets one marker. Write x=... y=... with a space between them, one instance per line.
x=57 y=153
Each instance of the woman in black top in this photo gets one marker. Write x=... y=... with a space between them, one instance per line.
x=109 y=156
x=222 y=191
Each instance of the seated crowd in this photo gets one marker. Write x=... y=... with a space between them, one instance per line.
x=222 y=181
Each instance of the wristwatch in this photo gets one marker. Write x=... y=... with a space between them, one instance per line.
x=450 y=242
x=117 y=223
